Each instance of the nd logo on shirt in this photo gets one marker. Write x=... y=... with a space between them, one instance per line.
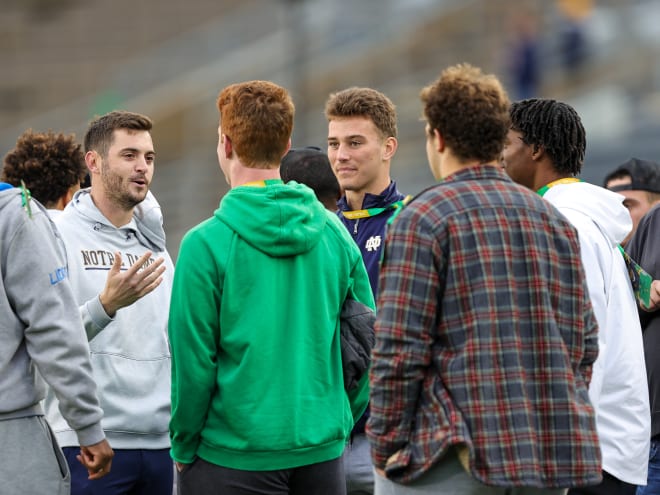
x=373 y=243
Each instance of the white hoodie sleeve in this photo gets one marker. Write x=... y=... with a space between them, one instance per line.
x=596 y=253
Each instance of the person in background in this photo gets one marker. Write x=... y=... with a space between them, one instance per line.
x=51 y=165
x=121 y=275
x=643 y=248
x=639 y=182
x=41 y=340
x=259 y=403
x=362 y=141
x=548 y=159
x=485 y=335
x=310 y=166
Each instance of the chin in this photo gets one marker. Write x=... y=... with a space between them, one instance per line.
x=138 y=198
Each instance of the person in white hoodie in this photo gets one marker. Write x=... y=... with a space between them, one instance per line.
x=41 y=340
x=544 y=151
x=121 y=274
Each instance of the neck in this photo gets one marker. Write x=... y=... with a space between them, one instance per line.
x=454 y=167
x=242 y=175
x=118 y=216
x=546 y=175
x=355 y=199
x=57 y=205
x=450 y=163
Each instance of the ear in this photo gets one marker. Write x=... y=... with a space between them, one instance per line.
x=537 y=152
x=391 y=145
x=224 y=139
x=439 y=141
x=288 y=147
x=92 y=160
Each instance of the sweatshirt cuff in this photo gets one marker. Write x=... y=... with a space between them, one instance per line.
x=99 y=318
x=90 y=435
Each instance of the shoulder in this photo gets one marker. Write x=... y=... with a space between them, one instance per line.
x=651 y=221
x=643 y=240
x=336 y=228
x=15 y=213
x=206 y=229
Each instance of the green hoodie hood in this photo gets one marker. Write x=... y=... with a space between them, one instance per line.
x=276 y=218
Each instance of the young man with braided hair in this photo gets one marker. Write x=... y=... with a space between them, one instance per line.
x=484 y=333
x=544 y=152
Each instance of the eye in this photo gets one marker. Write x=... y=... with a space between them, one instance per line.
x=355 y=143
x=333 y=145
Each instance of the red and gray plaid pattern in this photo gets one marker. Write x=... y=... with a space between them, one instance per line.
x=485 y=337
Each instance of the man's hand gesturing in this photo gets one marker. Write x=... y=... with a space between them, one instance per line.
x=123 y=289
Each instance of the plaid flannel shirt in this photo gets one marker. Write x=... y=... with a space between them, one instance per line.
x=485 y=338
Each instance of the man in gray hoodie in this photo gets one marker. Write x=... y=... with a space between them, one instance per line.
x=41 y=338
x=121 y=276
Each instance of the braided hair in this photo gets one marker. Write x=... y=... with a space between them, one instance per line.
x=556 y=127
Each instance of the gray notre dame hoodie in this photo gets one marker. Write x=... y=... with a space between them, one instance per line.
x=130 y=353
x=41 y=334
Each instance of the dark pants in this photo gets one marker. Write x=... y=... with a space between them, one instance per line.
x=609 y=486
x=653 y=483
x=133 y=472
x=204 y=478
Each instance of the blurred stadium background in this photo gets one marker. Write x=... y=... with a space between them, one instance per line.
x=65 y=61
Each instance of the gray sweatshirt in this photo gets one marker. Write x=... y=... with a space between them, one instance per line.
x=130 y=353
x=41 y=333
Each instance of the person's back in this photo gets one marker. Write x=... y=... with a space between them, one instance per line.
x=512 y=304
x=485 y=335
x=258 y=390
x=281 y=271
x=41 y=342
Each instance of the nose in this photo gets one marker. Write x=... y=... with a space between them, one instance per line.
x=342 y=153
x=141 y=164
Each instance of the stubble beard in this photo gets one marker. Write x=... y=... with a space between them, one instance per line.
x=119 y=192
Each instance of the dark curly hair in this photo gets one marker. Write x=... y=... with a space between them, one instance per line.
x=555 y=126
x=471 y=111
x=49 y=163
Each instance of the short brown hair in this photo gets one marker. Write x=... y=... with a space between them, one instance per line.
x=100 y=134
x=49 y=163
x=258 y=118
x=364 y=102
x=471 y=111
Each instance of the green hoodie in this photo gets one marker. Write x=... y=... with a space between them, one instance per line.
x=254 y=329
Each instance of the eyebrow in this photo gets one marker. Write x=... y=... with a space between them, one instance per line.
x=352 y=136
x=136 y=150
